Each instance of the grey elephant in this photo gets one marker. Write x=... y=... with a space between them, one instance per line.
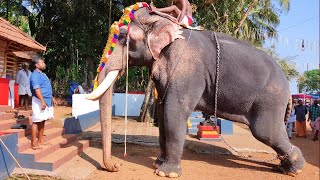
x=252 y=88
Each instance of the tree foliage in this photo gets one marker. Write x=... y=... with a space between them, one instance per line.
x=310 y=82
x=252 y=20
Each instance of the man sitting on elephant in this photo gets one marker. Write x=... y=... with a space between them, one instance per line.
x=181 y=10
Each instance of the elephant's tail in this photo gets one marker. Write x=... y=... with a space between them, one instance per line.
x=288 y=110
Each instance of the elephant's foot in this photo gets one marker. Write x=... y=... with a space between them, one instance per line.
x=157 y=163
x=169 y=170
x=293 y=164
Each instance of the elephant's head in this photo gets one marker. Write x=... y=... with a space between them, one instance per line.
x=149 y=33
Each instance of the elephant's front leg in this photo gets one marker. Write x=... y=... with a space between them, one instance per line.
x=162 y=137
x=175 y=121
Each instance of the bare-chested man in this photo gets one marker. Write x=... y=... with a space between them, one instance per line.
x=180 y=9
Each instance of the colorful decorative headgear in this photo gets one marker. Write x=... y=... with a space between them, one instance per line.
x=114 y=34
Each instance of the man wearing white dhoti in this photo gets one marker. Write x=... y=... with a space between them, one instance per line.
x=42 y=101
x=23 y=79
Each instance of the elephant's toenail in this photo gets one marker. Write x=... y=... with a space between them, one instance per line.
x=291 y=174
x=155 y=165
x=173 y=175
x=298 y=171
x=162 y=174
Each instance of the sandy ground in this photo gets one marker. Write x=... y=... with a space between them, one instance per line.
x=138 y=164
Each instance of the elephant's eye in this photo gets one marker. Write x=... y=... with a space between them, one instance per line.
x=122 y=35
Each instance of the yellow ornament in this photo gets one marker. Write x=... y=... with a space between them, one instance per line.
x=127 y=10
x=136 y=7
x=128 y=19
x=95 y=84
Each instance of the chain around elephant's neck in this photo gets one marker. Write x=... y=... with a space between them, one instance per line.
x=170 y=76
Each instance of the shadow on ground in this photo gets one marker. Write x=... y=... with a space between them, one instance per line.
x=194 y=151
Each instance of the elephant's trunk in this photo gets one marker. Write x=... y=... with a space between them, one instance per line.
x=105 y=120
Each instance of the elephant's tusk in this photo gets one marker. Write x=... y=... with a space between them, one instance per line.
x=106 y=83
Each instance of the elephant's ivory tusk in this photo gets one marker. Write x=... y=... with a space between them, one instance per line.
x=106 y=83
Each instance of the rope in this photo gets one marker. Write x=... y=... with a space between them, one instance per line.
x=14 y=159
x=126 y=106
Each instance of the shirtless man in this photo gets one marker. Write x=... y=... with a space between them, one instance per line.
x=180 y=9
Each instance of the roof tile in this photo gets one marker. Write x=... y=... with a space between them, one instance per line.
x=13 y=33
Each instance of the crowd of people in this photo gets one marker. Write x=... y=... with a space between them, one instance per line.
x=302 y=113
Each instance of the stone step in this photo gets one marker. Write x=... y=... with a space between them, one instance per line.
x=4 y=108
x=51 y=146
x=11 y=115
x=25 y=113
x=59 y=157
x=6 y=116
x=26 y=132
x=24 y=143
x=6 y=124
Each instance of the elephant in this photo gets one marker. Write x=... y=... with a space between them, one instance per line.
x=252 y=88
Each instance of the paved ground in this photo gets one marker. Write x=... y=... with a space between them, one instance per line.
x=201 y=160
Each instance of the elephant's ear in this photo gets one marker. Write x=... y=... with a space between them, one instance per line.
x=164 y=32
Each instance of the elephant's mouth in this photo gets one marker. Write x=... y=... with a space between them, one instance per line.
x=104 y=86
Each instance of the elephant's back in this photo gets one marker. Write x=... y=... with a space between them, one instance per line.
x=247 y=73
x=251 y=66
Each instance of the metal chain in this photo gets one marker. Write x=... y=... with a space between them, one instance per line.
x=215 y=112
x=165 y=92
x=217 y=79
x=247 y=157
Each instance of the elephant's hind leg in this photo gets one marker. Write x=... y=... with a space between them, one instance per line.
x=268 y=127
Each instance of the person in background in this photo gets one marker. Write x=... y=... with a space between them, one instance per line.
x=42 y=102
x=23 y=79
x=294 y=103
x=314 y=113
x=301 y=112
x=290 y=122
x=82 y=89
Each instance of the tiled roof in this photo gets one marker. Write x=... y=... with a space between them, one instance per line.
x=24 y=54
x=11 y=32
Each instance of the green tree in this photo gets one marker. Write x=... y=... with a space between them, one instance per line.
x=15 y=13
x=310 y=81
x=252 y=20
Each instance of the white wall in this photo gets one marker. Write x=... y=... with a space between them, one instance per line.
x=134 y=103
x=81 y=106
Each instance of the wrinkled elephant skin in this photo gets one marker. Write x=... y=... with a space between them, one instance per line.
x=252 y=87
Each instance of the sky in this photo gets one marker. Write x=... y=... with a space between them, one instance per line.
x=300 y=23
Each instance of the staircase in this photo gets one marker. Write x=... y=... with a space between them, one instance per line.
x=60 y=147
